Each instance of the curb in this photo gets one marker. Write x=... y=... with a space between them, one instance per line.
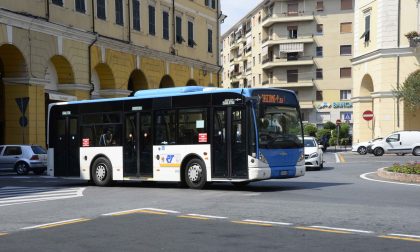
x=402 y=177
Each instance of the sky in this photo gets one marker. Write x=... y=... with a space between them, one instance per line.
x=235 y=10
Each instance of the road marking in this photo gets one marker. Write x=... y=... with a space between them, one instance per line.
x=270 y=222
x=399 y=238
x=364 y=176
x=323 y=230
x=24 y=195
x=2 y=234
x=252 y=223
x=344 y=229
x=252 y=194
x=405 y=235
x=337 y=159
x=207 y=216
x=342 y=159
x=193 y=217
x=123 y=212
x=56 y=224
x=161 y=210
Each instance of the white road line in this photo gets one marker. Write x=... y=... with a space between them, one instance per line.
x=337 y=159
x=344 y=229
x=207 y=216
x=364 y=176
x=405 y=235
x=49 y=224
x=162 y=210
x=123 y=212
x=269 y=222
x=252 y=194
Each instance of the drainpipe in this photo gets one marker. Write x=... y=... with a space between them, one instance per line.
x=129 y=22
x=93 y=16
x=90 y=63
x=218 y=42
x=173 y=25
x=48 y=9
x=398 y=62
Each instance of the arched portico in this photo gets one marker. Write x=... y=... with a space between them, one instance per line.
x=137 y=81
x=191 y=82
x=166 y=82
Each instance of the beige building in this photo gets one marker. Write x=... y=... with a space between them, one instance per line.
x=303 y=45
x=65 y=50
x=383 y=59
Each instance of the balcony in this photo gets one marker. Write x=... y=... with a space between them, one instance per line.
x=271 y=19
x=275 y=40
x=234 y=45
x=306 y=104
x=280 y=62
x=284 y=84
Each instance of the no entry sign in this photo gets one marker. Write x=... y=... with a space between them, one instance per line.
x=368 y=115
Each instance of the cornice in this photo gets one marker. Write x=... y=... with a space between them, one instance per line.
x=26 y=81
x=361 y=99
x=81 y=87
x=382 y=53
x=113 y=92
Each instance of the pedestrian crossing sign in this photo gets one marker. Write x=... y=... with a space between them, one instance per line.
x=347 y=116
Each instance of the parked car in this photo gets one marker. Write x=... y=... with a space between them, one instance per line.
x=402 y=142
x=361 y=148
x=314 y=156
x=23 y=159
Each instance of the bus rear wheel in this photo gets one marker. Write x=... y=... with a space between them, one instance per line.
x=195 y=174
x=102 y=172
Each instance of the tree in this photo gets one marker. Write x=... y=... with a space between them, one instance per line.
x=310 y=130
x=329 y=125
x=410 y=90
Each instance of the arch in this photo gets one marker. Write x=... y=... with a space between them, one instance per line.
x=166 y=82
x=14 y=64
x=64 y=70
x=105 y=77
x=191 y=82
x=2 y=112
x=366 y=87
x=137 y=81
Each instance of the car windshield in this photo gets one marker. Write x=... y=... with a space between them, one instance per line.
x=279 y=127
x=38 y=150
x=309 y=143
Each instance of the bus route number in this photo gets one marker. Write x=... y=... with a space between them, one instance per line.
x=272 y=98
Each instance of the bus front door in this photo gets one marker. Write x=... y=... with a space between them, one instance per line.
x=229 y=149
x=138 y=146
x=66 y=148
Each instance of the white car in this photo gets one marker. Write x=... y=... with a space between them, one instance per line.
x=361 y=148
x=314 y=156
x=400 y=143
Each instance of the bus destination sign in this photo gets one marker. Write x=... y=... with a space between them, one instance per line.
x=272 y=98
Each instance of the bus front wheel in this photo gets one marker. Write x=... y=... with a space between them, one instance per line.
x=195 y=174
x=102 y=172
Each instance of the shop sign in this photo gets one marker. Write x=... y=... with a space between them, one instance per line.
x=335 y=105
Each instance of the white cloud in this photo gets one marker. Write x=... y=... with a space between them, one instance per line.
x=235 y=10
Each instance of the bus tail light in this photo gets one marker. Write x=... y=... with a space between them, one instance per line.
x=34 y=157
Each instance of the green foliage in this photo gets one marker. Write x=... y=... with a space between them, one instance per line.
x=333 y=141
x=410 y=90
x=310 y=130
x=329 y=125
x=323 y=132
x=343 y=138
x=410 y=168
x=411 y=35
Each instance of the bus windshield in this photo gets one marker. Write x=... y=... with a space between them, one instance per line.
x=279 y=127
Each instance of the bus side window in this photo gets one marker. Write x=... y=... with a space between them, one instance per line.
x=165 y=127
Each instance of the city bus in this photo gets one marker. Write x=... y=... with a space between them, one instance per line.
x=192 y=135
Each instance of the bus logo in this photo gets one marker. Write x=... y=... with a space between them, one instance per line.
x=169 y=158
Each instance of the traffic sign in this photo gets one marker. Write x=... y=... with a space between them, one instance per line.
x=367 y=115
x=338 y=122
x=347 y=116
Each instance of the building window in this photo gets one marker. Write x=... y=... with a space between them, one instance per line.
x=319 y=96
x=101 y=9
x=259 y=37
x=259 y=58
x=213 y=4
x=191 y=42
x=366 y=34
x=346 y=4
x=320 y=28
x=253 y=61
x=119 y=15
x=152 y=30
x=292 y=75
x=253 y=81
x=58 y=2
x=259 y=79
x=80 y=6
x=319 y=75
x=210 y=40
x=345 y=72
x=346 y=27
x=178 y=29
x=292 y=9
x=345 y=94
x=207 y=2
x=345 y=50
x=136 y=15
x=320 y=5
x=292 y=31
x=165 y=16
x=319 y=51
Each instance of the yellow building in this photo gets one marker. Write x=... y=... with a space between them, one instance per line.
x=64 y=50
x=302 y=45
x=383 y=59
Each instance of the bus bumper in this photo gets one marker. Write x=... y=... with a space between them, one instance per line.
x=287 y=171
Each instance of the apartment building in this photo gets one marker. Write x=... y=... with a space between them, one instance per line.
x=65 y=50
x=302 y=45
x=383 y=59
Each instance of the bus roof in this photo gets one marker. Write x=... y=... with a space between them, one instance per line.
x=177 y=91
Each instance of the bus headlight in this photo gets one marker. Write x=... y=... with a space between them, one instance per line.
x=313 y=155
x=301 y=157
x=262 y=158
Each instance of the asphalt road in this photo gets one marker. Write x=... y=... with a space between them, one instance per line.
x=325 y=210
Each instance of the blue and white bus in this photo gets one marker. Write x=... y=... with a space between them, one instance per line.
x=192 y=135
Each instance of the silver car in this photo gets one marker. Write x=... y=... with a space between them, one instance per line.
x=23 y=159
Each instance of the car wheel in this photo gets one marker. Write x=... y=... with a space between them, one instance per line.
x=378 y=151
x=22 y=168
x=362 y=150
x=102 y=172
x=195 y=174
x=416 y=151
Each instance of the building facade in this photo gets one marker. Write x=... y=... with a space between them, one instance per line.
x=383 y=59
x=65 y=50
x=302 y=45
